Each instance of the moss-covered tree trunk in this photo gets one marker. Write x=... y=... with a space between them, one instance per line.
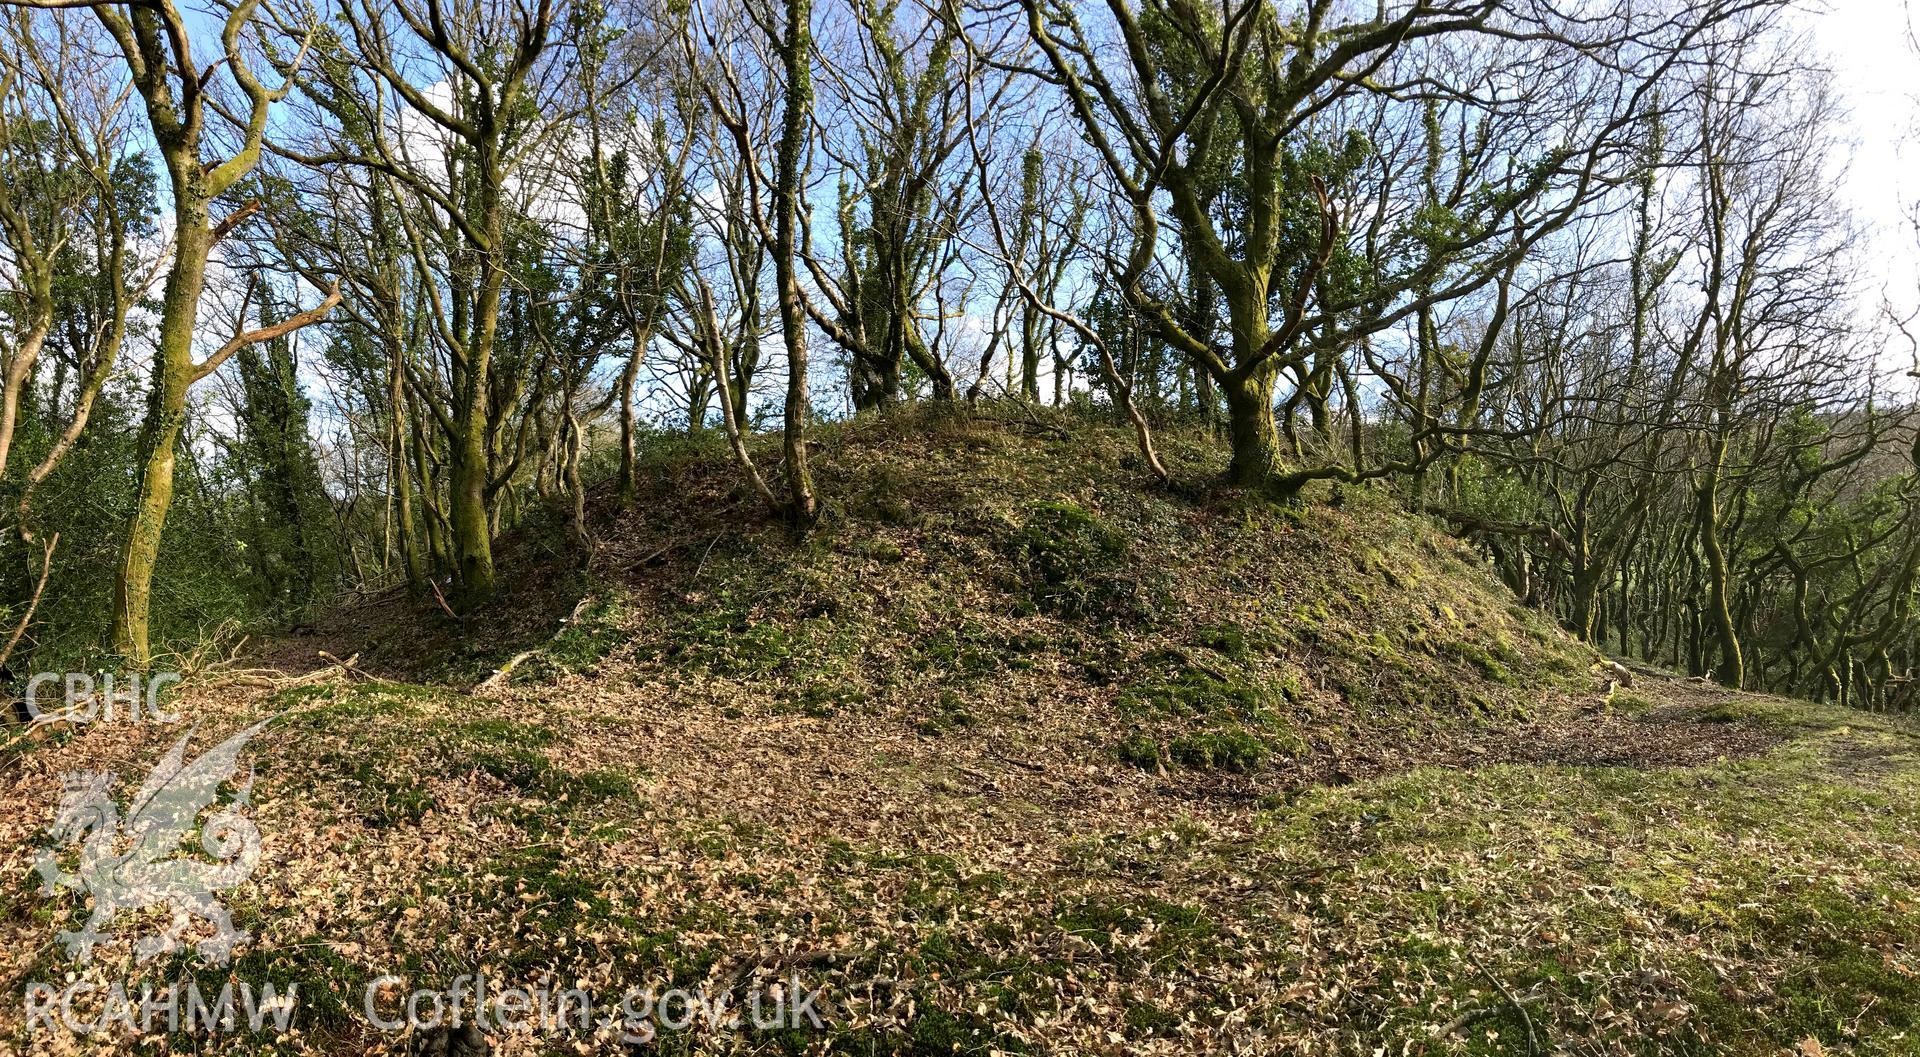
x=1251 y=430
x=156 y=44
x=166 y=414
x=470 y=514
x=471 y=528
x=400 y=473
x=629 y=429
x=1029 y=354
x=1248 y=385
x=1732 y=670
x=796 y=53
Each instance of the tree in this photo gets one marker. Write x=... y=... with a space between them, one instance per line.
x=900 y=105
x=508 y=105
x=790 y=45
x=155 y=41
x=285 y=476
x=1298 y=159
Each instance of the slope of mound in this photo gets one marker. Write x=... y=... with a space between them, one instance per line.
x=1020 y=577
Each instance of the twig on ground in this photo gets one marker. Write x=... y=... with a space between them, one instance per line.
x=703 y=557
x=499 y=679
x=771 y=962
x=1519 y=1006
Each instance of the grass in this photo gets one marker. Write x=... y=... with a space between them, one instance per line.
x=597 y=630
x=1739 y=908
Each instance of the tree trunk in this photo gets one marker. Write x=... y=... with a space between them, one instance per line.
x=1250 y=428
x=472 y=537
x=797 y=56
x=160 y=434
x=20 y=368
x=629 y=469
x=471 y=464
x=1732 y=670
x=400 y=475
x=1030 y=355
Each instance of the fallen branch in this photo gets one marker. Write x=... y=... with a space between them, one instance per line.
x=275 y=679
x=350 y=666
x=39 y=587
x=499 y=679
x=442 y=599
x=1475 y=1014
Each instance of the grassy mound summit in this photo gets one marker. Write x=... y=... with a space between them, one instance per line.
x=1019 y=753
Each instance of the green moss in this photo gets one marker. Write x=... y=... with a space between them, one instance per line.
x=882 y=550
x=579 y=646
x=325 y=985
x=1224 y=750
x=604 y=784
x=383 y=792
x=325 y=705
x=1146 y=1018
x=1076 y=566
x=1139 y=750
x=821 y=698
x=1484 y=662
x=1226 y=639
x=949 y=712
x=1194 y=714
x=1217 y=749
x=884 y=496
x=935 y=1032
x=1786 y=715
x=1628 y=702
x=496 y=731
x=1183 y=689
